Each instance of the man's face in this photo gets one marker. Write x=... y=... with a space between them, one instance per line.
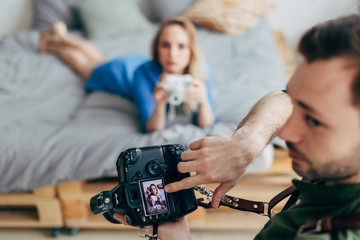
x=323 y=132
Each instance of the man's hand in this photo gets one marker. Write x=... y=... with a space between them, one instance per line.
x=224 y=159
x=221 y=159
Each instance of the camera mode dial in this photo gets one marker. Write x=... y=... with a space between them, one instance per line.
x=154 y=168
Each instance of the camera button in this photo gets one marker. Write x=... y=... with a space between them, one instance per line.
x=139 y=211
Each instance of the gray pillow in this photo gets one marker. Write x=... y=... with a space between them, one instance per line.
x=46 y=11
x=158 y=10
x=111 y=18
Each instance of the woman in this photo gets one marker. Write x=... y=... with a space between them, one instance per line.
x=155 y=196
x=174 y=51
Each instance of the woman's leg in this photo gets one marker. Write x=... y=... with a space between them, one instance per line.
x=60 y=30
x=75 y=58
x=79 y=54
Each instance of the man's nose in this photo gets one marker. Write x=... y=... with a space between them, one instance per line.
x=292 y=130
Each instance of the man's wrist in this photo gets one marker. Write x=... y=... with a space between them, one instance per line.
x=252 y=138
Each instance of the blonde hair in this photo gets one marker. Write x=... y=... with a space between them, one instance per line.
x=197 y=67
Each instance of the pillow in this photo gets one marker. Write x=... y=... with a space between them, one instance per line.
x=46 y=11
x=159 y=10
x=228 y=16
x=110 y=18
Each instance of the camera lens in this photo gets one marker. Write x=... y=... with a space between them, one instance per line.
x=153 y=168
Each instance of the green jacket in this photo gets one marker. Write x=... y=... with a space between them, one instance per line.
x=314 y=202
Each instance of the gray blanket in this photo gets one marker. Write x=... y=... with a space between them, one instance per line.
x=51 y=131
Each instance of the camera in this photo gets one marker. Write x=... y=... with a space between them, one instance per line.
x=178 y=84
x=140 y=196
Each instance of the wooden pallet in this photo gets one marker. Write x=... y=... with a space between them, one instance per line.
x=75 y=198
x=37 y=209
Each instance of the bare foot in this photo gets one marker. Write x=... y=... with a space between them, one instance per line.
x=56 y=34
x=47 y=38
x=60 y=29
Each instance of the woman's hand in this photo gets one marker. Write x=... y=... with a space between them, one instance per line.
x=151 y=201
x=157 y=121
x=176 y=230
x=160 y=91
x=158 y=197
x=197 y=93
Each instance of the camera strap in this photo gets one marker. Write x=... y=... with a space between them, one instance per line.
x=325 y=225
x=262 y=208
x=153 y=236
x=331 y=224
x=155 y=233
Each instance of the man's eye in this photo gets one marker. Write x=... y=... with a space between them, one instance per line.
x=313 y=121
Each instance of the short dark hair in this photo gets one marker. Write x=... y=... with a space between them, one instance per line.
x=338 y=37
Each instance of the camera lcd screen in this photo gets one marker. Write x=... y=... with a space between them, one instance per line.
x=154 y=197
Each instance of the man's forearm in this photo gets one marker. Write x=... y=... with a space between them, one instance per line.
x=266 y=117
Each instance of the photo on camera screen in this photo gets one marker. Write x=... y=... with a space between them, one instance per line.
x=154 y=196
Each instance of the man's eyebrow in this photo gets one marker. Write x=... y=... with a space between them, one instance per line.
x=304 y=106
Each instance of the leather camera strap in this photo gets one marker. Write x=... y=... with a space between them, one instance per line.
x=255 y=206
x=332 y=224
x=327 y=225
x=153 y=236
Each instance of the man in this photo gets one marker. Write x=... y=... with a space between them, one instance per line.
x=322 y=134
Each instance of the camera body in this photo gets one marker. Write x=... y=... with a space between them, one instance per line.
x=178 y=84
x=143 y=173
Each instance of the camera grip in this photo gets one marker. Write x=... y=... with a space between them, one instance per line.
x=109 y=216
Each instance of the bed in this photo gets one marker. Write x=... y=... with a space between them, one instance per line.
x=51 y=131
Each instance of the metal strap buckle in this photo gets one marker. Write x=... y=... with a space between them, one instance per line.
x=205 y=205
x=267 y=210
x=144 y=233
x=208 y=193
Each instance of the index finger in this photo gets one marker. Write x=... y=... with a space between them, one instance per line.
x=188 y=156
x=183 y=184
x=196 y=144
